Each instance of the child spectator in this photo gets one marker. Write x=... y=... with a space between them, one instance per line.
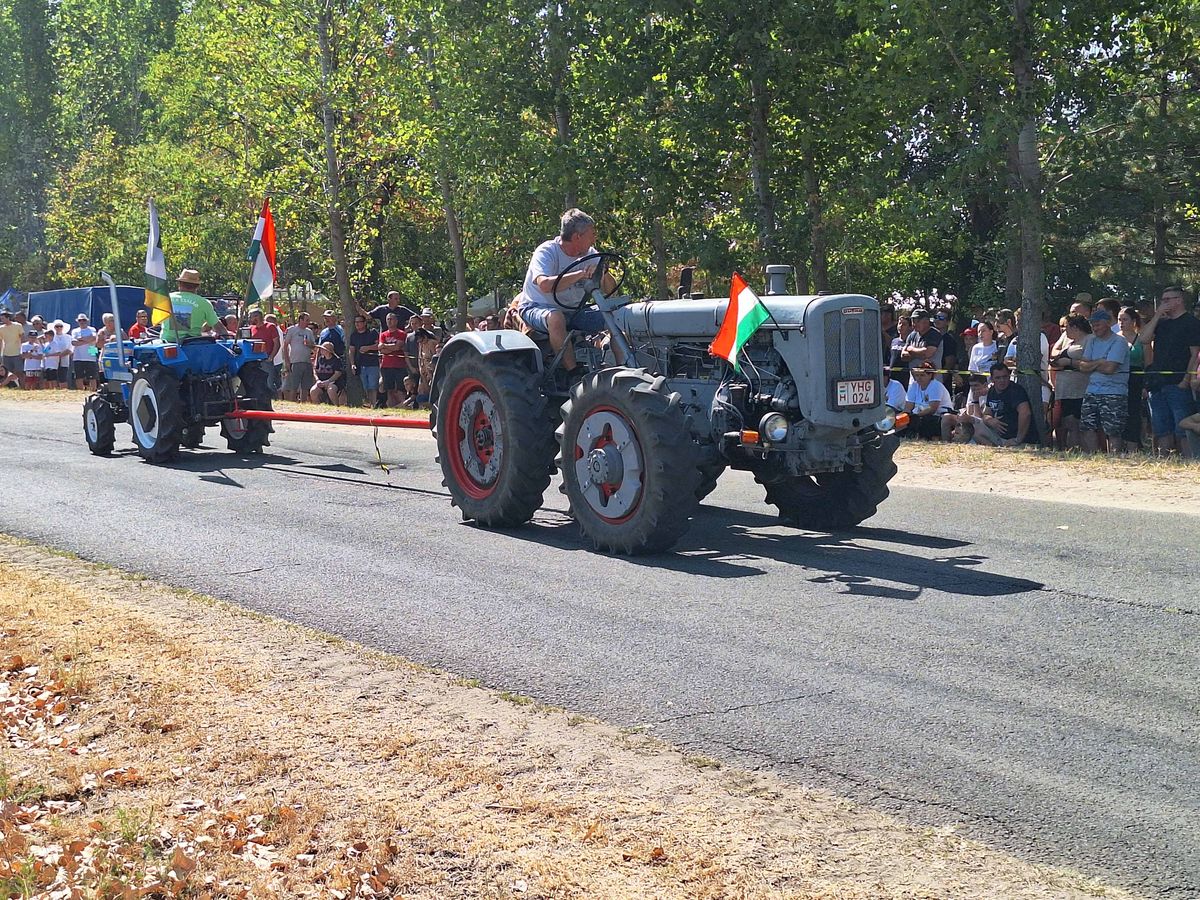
x=31 y=352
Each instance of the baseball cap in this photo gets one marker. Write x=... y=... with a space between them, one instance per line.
x=427 y=311
x=925 y=365
x=919 y=314
x=328 y=312
x=970 y=332
x=1100 y=315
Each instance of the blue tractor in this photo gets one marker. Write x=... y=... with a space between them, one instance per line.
x=169 y=393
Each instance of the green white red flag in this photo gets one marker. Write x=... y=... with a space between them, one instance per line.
x=742 y=318
x=262 y=254
x=158 y=292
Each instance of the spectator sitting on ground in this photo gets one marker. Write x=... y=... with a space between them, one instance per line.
x=1006 y=422
x=959 y=425
x=893 y=391
x=926 y=402
x=329 y=371
x=1105 y=401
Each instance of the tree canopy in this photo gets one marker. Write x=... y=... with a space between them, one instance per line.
x=427 y=146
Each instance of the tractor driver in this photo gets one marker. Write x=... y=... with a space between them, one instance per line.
x=535 y=304
x=191 y=314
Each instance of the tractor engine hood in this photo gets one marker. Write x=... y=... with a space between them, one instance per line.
x=695 y=319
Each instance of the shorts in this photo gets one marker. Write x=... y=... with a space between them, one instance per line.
x=86 y=370
x=1105 y=412
x=14 y=364
x=927 y=426
x=299 y=378
x=1071 y=408
x=1170 y=405
x=392 y=379
x=368 y=377
x=50 y=376
x=589 y=321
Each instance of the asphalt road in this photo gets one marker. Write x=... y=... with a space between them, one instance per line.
x=964 y=659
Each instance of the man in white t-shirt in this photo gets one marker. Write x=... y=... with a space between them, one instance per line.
x=926 y=402
x=535 y=303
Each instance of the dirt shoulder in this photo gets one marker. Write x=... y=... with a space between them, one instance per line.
x=168 y=741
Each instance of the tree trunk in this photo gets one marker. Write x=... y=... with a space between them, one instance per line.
x=760 y=166
x=1029 y=217
x=816 y=223
x=1012 y=271
x=446 y=187
x=333 y=188
x=1160 y=213
x=658 y=243
x=559 y=53
x=456 y=243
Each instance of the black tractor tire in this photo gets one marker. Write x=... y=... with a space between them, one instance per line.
x=247 y=436
x=630 y=467
x=192 y=436
x=99 y=425
x=839 y=500
x=156 y=414
x=495 y=441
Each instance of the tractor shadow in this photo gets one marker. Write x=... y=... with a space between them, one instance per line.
x=731 y=543
x=214 y=465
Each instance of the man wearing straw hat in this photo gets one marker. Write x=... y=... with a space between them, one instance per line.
x=191 y=314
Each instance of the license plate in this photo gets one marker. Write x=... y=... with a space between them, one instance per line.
x=860 y=392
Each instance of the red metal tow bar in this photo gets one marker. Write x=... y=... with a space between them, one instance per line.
x=330 y=419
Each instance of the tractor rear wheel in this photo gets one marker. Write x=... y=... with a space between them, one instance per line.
x=99 y=425
x=495 y=442
x=250 y=435
x=837 y=500
x=630 y=468
x=156 y=414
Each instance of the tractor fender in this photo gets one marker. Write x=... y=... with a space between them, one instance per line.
x=485 y=343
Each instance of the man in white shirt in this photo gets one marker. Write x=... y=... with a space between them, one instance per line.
x=927 y=401
x=83 y=356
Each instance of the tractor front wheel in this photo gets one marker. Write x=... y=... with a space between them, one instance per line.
x=495 y=443
x=837 y=500
x=250 y=435
x=156 y=414
x=99 y=425
x=630 y=468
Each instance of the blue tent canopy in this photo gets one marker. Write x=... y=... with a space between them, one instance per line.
x=93 y=302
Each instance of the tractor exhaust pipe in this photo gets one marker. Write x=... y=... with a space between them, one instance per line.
x=777 y=279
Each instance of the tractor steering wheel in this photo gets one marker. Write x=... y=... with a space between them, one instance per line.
x=603 y=262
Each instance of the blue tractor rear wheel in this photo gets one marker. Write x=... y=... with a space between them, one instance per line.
x=156 y=414
x=250 y=435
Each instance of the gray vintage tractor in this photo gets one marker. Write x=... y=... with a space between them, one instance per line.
x=640 y=444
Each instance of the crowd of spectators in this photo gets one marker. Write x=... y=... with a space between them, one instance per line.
x=1114 y=377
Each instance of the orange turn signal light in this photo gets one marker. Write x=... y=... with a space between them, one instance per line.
x=901 y=421
x=750 y=437
x=258 y=347
x=170 y=352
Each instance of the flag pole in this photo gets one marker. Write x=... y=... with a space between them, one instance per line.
x=770 y=315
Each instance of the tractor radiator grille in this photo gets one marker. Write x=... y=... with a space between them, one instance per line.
x=853 y=349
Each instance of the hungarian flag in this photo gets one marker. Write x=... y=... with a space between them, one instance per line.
x=742 y=318
x=262 y=254
x=158 y=292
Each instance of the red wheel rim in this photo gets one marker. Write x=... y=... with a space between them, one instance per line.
x=474 y=439
x=609 y=465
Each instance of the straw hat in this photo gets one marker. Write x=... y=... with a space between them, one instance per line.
x=189 y=276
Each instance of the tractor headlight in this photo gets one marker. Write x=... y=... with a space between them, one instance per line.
x=887 y=423
x=774 y=428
